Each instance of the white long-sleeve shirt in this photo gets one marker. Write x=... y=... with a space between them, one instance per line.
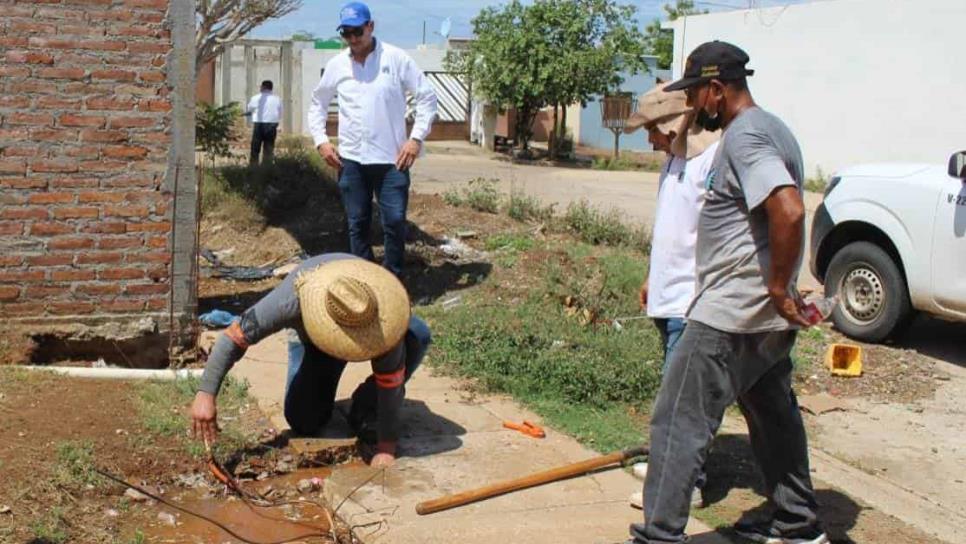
x=372 y=103
x=265 y=107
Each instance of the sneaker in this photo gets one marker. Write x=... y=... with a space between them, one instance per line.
x=767 y=533
x=639 y=470
x=636 y=500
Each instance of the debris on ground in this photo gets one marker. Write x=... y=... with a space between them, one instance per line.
x=821 y=403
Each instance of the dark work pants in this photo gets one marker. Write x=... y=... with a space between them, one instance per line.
x=709 y=370
x=313 y=378
x=263 y=134
x=358 y=184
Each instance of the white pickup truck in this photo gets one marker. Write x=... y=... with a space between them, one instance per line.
x=890 y=239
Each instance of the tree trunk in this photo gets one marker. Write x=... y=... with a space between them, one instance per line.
x=563 y=124
x=552 y=144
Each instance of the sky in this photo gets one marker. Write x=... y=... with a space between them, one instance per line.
x=400 y=22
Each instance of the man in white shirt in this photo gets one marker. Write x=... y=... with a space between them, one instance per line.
x=265 y=109
x=374 y=156
x=669 y=286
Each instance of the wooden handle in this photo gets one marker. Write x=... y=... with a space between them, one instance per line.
x=576 y=469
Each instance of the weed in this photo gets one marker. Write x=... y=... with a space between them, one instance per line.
x=818 y=183
x=604 y=228
x=522 y=207
x=51 y=528
x=219 y=200
x=508 y=242
x=481 y=195
x=75 y=465
x=626 y=163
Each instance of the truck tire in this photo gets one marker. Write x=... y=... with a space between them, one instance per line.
x=873 y=298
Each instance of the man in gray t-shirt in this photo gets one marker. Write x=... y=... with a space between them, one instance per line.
x=744 y=317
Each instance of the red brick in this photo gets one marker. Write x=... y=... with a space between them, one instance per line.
x=126 y=242
x=104 y=166
x=60 y=167
x=22 y=183
x=83 y=152
x=53 y=43
x=59 y=73
x=56 y=103
x=126 y=211
x=13 y=134
x=72 y=275
x=125 y=152
x=76 y=212
x=99 y=257
x=147 y=289
x=13 y=41
x=29 y=119
x=51 y=198
x=73 y=242
x=31 y=308
x=157 y=304
x=58 y=13
x=71 y=308
x=14 y=102
x=13 y=166
x=121 y=182
x=14 y=71
x=110 y=104
x=155 y=4
x=10 y=260
x=24 y=213
x=53 y=135
x=46 y=292
x=158 y=61
x=87 y=31
x=14 y=276
x=122 y=306
x=132 y=122
x=98 y=289
x=110 y=15
x=10 y=198
x=98 y=196
x=121 y=274
x=152 y=76
x=50 y=229
x=114 y=75
x=149 y=17
x=20 y=27
x=32 y=86
x=73 y=183
x=134 y=30
x=163 y=226
x=154 y=105
x=86 y=89
x=22 y=151
x=75 y=120
x=156 y=257
x=153 y=48
x=157 y=242
x=158 y=273
x=9 y=293
x=103 y=136
x=29 y=57
x=50 y=260
x=11 y=228
x=102 y=45
x=90 y=2
x=104 y=228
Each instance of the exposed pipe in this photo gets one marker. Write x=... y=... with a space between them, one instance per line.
x=112 y=373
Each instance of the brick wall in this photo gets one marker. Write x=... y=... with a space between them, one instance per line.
x=85 y=133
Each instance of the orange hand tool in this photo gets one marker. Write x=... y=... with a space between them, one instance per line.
x=527 y=428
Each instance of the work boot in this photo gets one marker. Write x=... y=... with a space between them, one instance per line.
x=766 y=533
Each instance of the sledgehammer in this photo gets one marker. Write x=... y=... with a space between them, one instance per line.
x=567 y=471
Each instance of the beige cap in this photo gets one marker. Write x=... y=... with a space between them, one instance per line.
x=659 y=107
x=352 y=309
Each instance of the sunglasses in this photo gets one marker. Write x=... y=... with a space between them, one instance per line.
x=351 y=31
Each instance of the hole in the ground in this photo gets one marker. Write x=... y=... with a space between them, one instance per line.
x=146 y=351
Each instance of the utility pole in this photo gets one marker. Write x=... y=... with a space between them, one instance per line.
x=424 y=31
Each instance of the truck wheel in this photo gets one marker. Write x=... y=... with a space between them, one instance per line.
x=873 y=297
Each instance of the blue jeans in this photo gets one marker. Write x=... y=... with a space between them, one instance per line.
x=670 y=330
x=358 y=183
x=313 y=378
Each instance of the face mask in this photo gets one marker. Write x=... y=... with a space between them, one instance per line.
x=706 y=121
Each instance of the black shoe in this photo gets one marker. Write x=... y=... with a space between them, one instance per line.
x=767 y=533
x=363 y=424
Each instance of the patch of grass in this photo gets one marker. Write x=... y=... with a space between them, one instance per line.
x=508 y=242
x=163 y=408
x=818 y=183
x=51 y=528
x=75 y=465
x=604 y=228
x=522 y=207
x=15 y=348
x=481 y=195
x=219 y=200
x=626 y=163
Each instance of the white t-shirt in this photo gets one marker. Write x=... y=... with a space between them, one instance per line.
x=680 y=195
x=265 y=107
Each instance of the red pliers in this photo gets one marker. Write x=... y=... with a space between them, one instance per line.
x=527 y=428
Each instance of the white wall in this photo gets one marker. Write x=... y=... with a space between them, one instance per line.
x=856 y=80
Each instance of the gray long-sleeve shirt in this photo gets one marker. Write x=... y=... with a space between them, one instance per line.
x=279 y=310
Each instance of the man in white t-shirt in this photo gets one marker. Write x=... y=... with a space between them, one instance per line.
x=265 y=109
x=669 y=286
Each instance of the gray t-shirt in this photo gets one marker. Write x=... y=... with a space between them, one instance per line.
x=757 y=155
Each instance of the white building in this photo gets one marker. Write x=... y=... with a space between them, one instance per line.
x=856 y=80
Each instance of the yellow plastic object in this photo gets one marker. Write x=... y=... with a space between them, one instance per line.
x=844 y=360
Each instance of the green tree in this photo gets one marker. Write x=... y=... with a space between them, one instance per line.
x=660 y=42
x=550 y=53
x=213 y=129
x=303 y=36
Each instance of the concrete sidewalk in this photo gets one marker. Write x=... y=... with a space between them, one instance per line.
x=453 y=441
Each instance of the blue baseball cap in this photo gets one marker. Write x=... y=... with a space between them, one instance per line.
x=354 y=14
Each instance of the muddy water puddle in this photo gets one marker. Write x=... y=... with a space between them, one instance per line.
x=301 y=518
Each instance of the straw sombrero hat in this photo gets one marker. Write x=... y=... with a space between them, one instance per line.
x=352 y=309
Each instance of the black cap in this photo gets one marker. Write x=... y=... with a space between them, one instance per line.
x=712 y=60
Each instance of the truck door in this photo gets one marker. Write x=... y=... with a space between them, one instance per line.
x=949 y=247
